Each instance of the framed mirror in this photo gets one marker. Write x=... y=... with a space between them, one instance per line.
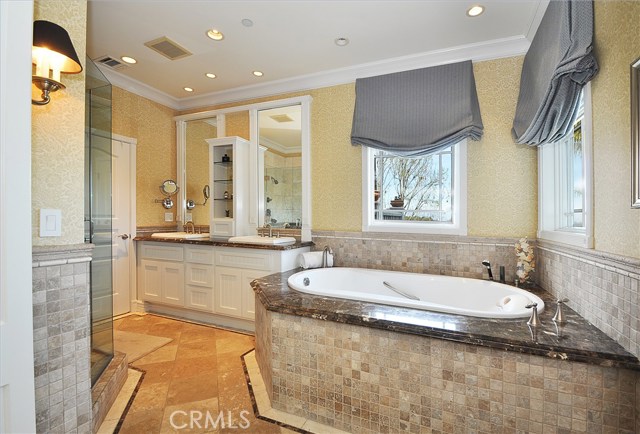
x=635 y=134
x=242 y=121
x=280 y=166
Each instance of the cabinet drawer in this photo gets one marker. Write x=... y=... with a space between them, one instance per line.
x=199 y=275
x=198 y=255
x=198 y=297
x=238 y=258
x=222 y=227
x=158 y=251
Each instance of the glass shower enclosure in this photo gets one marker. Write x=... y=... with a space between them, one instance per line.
x=98 y=215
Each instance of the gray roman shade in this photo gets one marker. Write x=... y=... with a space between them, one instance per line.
x=417 y=112
x=558 y=64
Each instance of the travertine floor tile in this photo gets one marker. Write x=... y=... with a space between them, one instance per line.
x=200 y=371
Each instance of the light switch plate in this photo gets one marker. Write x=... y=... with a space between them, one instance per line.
x=168 y=216
x=188 y=217
x=50 y=222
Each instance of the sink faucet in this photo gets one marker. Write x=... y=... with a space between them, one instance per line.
x=268 y=225
x=193 y=228
x=325 y=256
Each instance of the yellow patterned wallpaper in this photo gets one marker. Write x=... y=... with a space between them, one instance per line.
x=237 y=124
x=336 y=177
x=617 y=226
x=503 y=196
x=153 y=126
x=197 y=167
x=57 y=138
x=502 y=176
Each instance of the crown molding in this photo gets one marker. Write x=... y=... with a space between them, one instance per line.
x=476 y=52
x=139 y=88
x=280 y=148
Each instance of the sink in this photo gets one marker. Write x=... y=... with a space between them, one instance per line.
x=265 y=241
x=180 y=235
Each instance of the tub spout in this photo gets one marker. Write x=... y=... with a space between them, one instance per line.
x=325 y=256
x=487 y=264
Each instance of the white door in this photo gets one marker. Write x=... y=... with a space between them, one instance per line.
x=122 y=225
x=17 y=396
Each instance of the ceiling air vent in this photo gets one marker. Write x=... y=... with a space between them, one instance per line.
x=168 y=48
x=282 y=118
x=110 y=62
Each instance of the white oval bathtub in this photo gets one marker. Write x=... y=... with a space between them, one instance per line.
x=457 y=295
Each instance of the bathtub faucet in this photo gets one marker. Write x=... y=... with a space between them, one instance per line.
x=325 y=256
x=487 y=264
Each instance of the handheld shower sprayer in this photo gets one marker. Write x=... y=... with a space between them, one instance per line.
x=487 y=264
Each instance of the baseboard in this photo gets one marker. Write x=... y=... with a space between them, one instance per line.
x=235 y=324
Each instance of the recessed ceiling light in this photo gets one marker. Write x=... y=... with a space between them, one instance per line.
x=247 y=22
x=128 y=59
x=475 y=10
x=210 y=75
x=258 y=73
x=341 y=42
x=215 y=34
x=188 y=89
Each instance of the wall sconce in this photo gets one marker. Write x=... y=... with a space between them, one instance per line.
x=52 y=50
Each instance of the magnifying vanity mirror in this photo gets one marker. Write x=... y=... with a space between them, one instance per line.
x=168 y=188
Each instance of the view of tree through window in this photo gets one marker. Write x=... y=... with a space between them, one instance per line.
x=414 y=189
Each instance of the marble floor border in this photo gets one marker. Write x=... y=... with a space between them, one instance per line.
x=262 y=404
x=115 y=417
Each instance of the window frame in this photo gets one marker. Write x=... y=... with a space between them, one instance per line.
x=458 y=199
x=548 y=208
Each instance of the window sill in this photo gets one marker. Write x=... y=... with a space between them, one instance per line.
x=565 y=237
x=413 y=228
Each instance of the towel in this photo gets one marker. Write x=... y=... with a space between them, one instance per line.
x=314 y=260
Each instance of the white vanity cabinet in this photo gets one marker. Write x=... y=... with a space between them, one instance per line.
x=237 y=267
x=206 y=283
x=198 y=283
x=161 y=274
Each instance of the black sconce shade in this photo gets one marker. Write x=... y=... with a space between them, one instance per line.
x=50 y=35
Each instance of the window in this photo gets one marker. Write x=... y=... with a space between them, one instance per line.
x=415 y=194
x=564 y=182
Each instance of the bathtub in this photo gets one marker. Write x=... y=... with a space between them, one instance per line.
x=446 y=294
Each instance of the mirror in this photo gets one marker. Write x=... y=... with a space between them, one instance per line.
x=269 y=139
x=280 y=166
x=169 y=187
x=197 y=168
x=635 y=134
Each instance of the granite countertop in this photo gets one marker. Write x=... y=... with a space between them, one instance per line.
x=576 y=340
x=222 y=242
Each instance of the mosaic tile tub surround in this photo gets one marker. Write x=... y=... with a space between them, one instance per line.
x=61 y=334
x=363 y=367
x=602 y=287
x=368 y=380
x=420 y=253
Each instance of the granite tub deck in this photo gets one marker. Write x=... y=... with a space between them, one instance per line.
x=369 y=368
x=222 y=243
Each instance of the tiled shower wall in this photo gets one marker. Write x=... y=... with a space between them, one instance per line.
x=603 y=288
x=419 y=253
x=61 y=334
